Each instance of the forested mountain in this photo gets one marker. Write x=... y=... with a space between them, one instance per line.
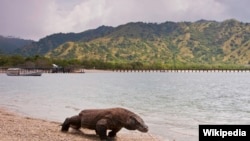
x=165 y=44
x=51 y=42
x=9 y=44
x=201 y=42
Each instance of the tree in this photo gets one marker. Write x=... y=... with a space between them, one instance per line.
x=16 y=60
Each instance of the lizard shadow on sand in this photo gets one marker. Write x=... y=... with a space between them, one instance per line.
x=90 y=136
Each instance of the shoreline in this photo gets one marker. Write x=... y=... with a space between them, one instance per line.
x=15 y=127
x=144 y=71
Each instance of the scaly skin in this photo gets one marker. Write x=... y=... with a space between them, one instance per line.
x=101 y=120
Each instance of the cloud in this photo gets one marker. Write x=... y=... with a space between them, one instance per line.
x=37 y=18
x=81 y=16
x=237 y=9
x=23 y=19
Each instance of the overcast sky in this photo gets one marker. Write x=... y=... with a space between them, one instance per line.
x=34 y=19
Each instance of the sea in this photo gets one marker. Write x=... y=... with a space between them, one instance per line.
x=172 y=104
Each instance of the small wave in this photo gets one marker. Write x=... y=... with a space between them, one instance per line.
x=71 y=107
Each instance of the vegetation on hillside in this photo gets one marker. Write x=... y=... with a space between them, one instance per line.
x=10 y=44
x=46 y=63
x=166 y=44
x=183 y=45
x=51 y=42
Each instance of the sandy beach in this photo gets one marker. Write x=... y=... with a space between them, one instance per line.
x=15 y=127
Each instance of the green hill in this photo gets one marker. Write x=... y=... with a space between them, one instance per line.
x=51 y=42
x=183 y=43
x=9 y=44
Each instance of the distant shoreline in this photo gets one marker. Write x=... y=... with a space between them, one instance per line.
x=3 y=70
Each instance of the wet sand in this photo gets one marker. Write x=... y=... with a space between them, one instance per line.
x=15 y=127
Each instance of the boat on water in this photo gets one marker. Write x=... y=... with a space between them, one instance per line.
x=22 y=72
